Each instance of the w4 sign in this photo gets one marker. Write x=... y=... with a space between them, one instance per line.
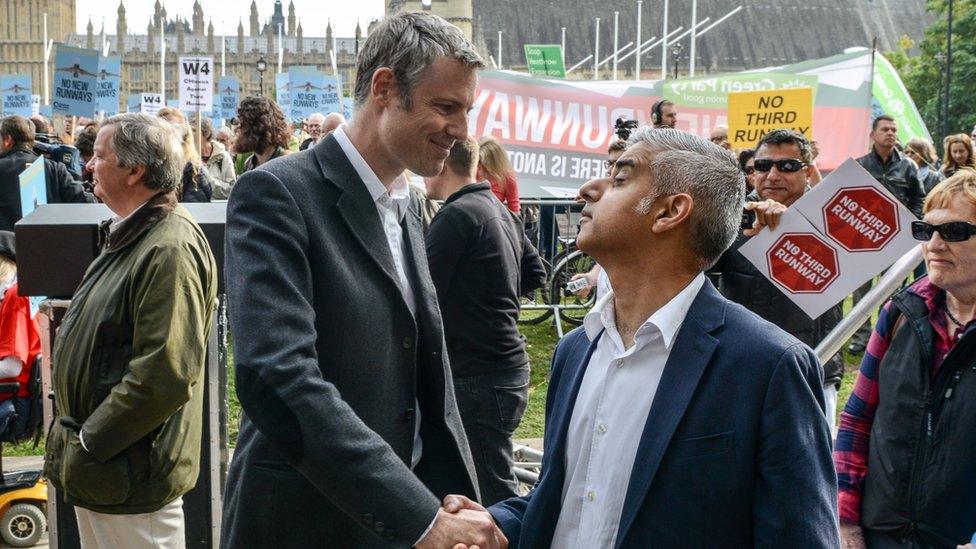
x=196 y=83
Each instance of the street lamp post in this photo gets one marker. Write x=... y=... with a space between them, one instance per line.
x=948 y=72
x=940 y=59
x=262 y=66
x=675 y=54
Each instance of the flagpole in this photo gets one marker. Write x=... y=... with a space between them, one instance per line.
x=596 y=52
x=637 y=68
x=281 y=49
x=500 y=50
x=47 y=54
x=664 y=44
x=564 y=45
x=694 y=37
x=616 y=45
x=162 y=60
x=223 y=49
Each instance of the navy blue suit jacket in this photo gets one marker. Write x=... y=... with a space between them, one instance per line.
x=735 y=451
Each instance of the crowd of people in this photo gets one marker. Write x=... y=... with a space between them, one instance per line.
x=378 y=362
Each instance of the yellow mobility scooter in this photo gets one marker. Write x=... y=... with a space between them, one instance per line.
x=23 y=494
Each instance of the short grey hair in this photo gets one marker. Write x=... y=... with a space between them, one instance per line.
x=689 y=164
x=316 y=115
x=408 y=44
x=143 y=140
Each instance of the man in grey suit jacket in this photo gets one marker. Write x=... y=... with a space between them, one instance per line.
x=350 y=434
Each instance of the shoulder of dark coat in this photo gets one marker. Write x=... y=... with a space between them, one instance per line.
x=749 y=333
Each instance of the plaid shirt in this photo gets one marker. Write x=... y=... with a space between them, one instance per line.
x=851 y=448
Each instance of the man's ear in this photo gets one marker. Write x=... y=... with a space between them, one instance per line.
x=383 y=86
x=671 y=211
x=136 y=175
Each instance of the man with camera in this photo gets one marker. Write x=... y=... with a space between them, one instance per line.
x=16 y=153
x=784 y=166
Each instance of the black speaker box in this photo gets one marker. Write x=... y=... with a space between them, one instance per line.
x=57 y=242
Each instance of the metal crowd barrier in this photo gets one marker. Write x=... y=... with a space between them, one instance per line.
x=889 y=283
x=553 y=237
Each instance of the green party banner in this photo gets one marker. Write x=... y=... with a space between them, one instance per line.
x=894 y=100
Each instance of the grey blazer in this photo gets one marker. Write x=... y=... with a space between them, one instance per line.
x=329 y=365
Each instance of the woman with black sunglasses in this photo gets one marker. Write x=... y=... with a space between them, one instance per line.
x=905 y=452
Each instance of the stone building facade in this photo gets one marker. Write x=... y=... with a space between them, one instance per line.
x=762 y=34
x=22 y=34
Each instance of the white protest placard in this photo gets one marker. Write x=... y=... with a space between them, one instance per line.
x=835 y=238
x=151 y=103
x=35 y=104
x=196 y=84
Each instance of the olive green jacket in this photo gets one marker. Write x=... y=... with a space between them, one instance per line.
x=128 y=366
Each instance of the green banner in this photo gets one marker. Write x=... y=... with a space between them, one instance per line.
x=713 y=91
x=545 y=60
x=894 y=100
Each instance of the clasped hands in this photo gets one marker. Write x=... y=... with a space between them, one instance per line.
x=463 y=524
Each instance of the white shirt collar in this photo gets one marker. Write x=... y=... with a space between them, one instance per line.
x=400 y=190
x=667 y=319
x=117 y=220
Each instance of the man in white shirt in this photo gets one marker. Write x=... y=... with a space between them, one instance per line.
x=674 y=416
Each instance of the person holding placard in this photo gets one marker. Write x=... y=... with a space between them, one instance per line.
x=905 y=451
x=783 y=167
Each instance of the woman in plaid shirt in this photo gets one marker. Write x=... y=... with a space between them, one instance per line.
x=905 y=451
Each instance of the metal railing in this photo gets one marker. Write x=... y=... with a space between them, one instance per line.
x=889 y=283
x=528 y=464
x=554 y=236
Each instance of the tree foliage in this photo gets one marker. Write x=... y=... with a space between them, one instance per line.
x=924 y=69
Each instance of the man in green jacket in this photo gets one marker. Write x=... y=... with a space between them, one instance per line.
x=129 y=358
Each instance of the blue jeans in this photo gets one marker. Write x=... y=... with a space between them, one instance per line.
x=491 y=408
x=18 y=410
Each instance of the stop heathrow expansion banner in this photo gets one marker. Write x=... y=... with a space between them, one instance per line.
x=557 y=131
x=836 y=237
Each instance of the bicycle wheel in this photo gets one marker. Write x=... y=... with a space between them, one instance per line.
x=538 y=297
x=574 y=263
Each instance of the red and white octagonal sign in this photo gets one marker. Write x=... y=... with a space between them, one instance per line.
x=802 y=263
x=861 y=219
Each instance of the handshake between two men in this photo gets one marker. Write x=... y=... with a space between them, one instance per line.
x=463 y=524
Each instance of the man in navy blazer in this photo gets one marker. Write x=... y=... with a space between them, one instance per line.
x=675 y=418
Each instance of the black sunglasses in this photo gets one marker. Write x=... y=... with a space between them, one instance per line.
x=953 y=231
x=786 y=165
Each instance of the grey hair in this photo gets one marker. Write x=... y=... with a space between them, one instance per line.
x=318 y=115
x=143 y=140
x=408 y=44
x=689 y=164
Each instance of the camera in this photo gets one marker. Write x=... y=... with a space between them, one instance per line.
x=50 y=146
x=574 y=286
x=748 y=219
x=623 y=128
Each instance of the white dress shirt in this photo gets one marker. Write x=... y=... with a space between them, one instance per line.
x=609 y=416
x=391 y=206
